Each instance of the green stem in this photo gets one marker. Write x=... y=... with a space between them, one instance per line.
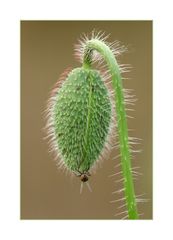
x=104 y=50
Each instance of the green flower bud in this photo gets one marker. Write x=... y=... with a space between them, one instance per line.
x=81 y=118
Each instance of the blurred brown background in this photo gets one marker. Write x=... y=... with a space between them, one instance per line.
x=46 y=50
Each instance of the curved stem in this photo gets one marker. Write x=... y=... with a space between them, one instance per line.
x=104 y=50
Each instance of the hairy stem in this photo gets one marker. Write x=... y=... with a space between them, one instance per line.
x=104 y=50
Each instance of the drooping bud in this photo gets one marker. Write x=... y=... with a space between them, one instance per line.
x=81 y=117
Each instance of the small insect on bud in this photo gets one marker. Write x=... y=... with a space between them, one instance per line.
x=84 y=178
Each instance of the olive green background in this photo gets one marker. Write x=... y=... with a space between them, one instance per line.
x=46 y=51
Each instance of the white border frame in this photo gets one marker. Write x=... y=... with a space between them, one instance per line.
x=11 y=14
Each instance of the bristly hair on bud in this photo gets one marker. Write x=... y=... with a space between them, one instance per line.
x=80 y=121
